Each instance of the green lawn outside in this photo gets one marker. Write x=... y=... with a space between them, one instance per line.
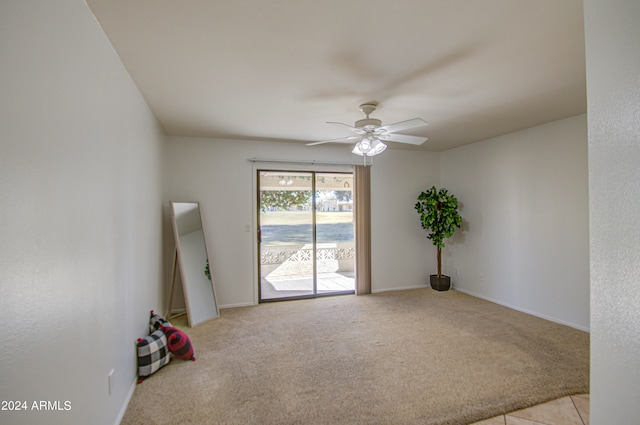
x=274 y=218
x=292 y=228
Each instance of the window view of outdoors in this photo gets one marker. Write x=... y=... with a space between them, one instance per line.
x=292 y=262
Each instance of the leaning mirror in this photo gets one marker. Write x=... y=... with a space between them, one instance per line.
x=193 y=262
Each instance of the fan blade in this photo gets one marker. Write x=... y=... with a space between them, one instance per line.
x=403 y=138
x=350 y=127
x=339 y=140
x=404 y=125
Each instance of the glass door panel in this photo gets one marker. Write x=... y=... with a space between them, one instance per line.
x=335 y=244
x=286 y=234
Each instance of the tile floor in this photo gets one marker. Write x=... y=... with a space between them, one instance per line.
x=571 y=410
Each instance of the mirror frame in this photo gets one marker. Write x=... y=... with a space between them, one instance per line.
x=187 y=287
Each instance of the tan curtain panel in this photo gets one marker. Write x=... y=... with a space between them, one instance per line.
x=363 y=229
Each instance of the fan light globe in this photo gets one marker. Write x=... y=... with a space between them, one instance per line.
x=365 y=145
x=377 y=147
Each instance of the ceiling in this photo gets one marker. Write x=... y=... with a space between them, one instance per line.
x=280 y=69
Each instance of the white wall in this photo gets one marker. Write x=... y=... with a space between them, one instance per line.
x=217 y=173
x=402 y=256
x=525 y=238
x=613 y=88
x=80 y=241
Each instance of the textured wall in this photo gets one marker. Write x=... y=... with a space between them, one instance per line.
x=80 y=246
x=613 y=87
x=525 y=239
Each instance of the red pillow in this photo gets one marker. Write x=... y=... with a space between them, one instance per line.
x=178 y=343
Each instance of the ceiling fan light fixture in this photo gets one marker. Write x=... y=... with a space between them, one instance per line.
x=369 y=147
x=371 y=132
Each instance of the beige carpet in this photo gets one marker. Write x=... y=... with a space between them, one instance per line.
x=404 y=357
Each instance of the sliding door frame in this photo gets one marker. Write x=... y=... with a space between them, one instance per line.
x=314 y=169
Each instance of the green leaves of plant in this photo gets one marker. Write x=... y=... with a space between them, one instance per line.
x=438 y=214
x=283 y=199
x=207 y=272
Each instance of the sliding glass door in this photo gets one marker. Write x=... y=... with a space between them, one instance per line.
x=335 y=242
x=305 y=234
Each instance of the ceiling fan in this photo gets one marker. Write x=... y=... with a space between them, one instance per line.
x=371 y=134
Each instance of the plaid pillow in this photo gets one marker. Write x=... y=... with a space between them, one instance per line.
x=153 y=353
x=155 y=320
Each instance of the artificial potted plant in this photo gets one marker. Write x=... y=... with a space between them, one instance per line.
x=439 y=216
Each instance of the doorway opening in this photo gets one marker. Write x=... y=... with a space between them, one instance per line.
x=306 y=239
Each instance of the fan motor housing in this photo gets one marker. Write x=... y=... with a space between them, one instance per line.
x=368 y=123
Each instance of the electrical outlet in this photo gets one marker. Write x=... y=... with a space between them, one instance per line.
x=247 y=227
x=109 y=379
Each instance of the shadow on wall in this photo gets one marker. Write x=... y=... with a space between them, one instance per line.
x=459 y=236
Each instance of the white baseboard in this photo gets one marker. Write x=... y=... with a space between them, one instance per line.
x=523 y=310
x=404 y=288
x=236 y=305
x=123 y=409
